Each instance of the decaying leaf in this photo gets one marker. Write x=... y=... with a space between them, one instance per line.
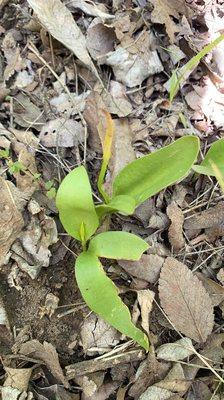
x=154 y=393
x=122 y=140
x=9 y=393
x=47 y=353
x=148 y=371
x=145 y=299
x=100 y=40
x=12 y=54
x=31 y=250
x=26 y=113
x=212 y=220
x=176 y=351
x=161 y=14
x=18 y=378
x=97 y=336
x=11 y=222
x=208 y=100
x=3 y=315
x=215 y=291
x=131 y=69
x=147 y=268
x=175 y=231
x=62 y=132
x=54 y=392
x=58 y=20
x=90 y=8
x=185 y=301
x=206 y=219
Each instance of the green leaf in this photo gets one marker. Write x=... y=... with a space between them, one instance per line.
x=123 y=204
x=118 y=245
x=16 y=167
x=101 y=295
x=51 y=193
x=75 y=204
x=148 y=175
x=4 y=153
x=179 y=76
x=215 y=155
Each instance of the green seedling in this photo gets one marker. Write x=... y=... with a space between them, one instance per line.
x=51 y=190
x=81 y=218
x=213 y=163
x=179 y=75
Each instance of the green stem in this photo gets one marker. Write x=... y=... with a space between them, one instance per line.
x=101 y=180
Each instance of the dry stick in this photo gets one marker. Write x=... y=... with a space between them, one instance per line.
x=203 y=359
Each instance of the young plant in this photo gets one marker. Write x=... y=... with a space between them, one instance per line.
x=213 y=163
x=80 y=217
x=180 y=75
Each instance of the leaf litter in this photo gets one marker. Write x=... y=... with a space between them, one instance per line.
x=63 y=67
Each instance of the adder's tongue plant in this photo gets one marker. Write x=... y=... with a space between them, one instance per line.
x=80 y=217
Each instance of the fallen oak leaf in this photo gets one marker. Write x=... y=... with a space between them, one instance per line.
x=59 y=22
x=185 y=300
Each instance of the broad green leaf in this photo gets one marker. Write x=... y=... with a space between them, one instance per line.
x=101 y=295
x=75 y=205
x=179 y=76
x=218 y=174
x=215 y=155
x=148 y=175
x=118 y=245
x=123 y=204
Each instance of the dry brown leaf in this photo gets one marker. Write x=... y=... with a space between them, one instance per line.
x=90 y=8
x=176 y=351
x=97 y=336
x=11 y=222
x=99 y=41
x=3 y=3
x=206 y=219
x=3 y=315
x=215 y=290
x=208 y=100
x=145 y=299
x=26 y=113
x=31 y=250
x=147 y=268
x=185 y=300
x=161 y=13
x=132 y=69
x=122 y=152
x=62 y=132
x=147 y=373
x=175 y=380
x=58 y=20
x=220 y=276
x=47 y=353
x=155 y=393
x=116 y=100
x=12 y=55
x=175 y=232
x=18 y=378
x=94 y=114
